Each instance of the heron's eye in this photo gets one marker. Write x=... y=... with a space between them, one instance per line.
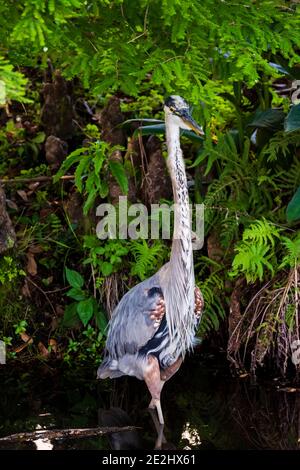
x=174 y=111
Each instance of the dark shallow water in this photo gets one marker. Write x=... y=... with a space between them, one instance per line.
x=204 y=408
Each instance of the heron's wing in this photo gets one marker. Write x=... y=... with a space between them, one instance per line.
x=136 y=319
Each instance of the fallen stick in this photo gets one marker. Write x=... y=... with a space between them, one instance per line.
x=64 y=433
x=35 y=179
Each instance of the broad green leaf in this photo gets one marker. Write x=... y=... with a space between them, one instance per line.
x=99 y=159
x=292 y=121
x=106 y=268
x=90 y=200
x=201 y=156
x=70 y=319
x=101 y=320
x=100 y=250
x=90 y=241
x=74 y=278
x=293 y=208
x=85 y=309
x=118 y=172
x=191 y=135
x=156 y=129
x=121 y=251
x=84 y=162
x=115 y=259
x=160 y=129
x=91 y=182
x=128 y=124
x=271 y=119
x=104 y=189
x=76 y=294
x=39 y=138
x=70 y=160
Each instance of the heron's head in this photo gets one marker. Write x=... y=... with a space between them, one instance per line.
x=180 y=111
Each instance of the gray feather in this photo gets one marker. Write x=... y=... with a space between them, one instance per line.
x=130 y=327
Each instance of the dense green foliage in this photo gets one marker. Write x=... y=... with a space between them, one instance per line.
x=113 y=45
x=229 y=59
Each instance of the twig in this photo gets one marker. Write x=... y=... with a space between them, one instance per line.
x=56 y=290
x=65 y=433
x=43 y=292
x=35 y=179
x=94 y=281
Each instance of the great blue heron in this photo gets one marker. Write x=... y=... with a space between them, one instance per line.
x=154 y=324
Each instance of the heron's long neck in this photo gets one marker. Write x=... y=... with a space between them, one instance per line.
x=179 y=295
x=182 y=243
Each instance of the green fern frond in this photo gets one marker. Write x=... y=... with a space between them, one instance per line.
x=255 y=251
x=217 y=196
x=12 y=83
x=292 y=248
x=262 y=232
x=147 y=258
x=289 y=181
x=55 y=223
x=280 y=145
x=251 y=260
x=229 y=229
x=212 y=290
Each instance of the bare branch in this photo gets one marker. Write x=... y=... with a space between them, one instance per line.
x=65 y=433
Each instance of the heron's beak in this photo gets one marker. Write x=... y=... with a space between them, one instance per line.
x=191 y=123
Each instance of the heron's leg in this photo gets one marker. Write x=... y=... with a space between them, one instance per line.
x=154 y=384
x=160 y=440
x=157 y=405
x=166 y=374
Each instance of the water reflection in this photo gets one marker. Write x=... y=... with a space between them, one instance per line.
x=119 y=440
x=204 y=409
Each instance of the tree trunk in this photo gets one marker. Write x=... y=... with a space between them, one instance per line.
x=7 y=232
x=111 y=117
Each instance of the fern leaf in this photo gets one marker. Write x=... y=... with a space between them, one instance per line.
x=146 y=257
